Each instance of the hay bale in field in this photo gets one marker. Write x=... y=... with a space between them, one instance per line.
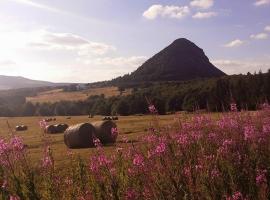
x=51 y=129
x=115 y=118
x=68 y=118
x=80 y=136
x=104 y=131
x=60 y=128
x=21 y=128
x=24 y=128
x=54 y=119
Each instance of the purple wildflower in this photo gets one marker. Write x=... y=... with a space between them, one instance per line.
x=138 y=160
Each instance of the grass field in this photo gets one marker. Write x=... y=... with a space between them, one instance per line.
x=131 y=127
x=58 y=94
x=191 y=156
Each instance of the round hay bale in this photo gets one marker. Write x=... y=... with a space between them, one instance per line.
x=51 y=129
x=60 y=128
x=21 y=128
x=24 y=128
x=104 y=131
x=104 y=118
x=68 y=118
x=80 y=136
x=115 y=118
x=18 y=128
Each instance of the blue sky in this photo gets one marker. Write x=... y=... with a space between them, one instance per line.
x=87 y=40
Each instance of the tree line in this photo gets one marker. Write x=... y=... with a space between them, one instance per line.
x=216 y=94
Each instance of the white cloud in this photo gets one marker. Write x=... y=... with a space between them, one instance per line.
x=259 y=36
x=45 y=40
x=166 y=11
x=63 y=56
x=204 y=15
x=234 y=43
x=241 y=66
x=202 y=4
x=267 y=28
x=262 y=2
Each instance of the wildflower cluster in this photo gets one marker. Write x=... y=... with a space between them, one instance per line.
x=206 y=157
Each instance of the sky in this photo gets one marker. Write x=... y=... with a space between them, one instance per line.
x=90 y=40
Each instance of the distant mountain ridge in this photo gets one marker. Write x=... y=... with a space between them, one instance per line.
x=16 y=82
x=180 y=61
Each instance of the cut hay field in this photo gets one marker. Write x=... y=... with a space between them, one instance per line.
x=59 y=95
x=130 y=127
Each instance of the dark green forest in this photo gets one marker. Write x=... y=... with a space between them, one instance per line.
x=215 y=95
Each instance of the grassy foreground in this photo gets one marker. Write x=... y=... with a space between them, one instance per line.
x=131 y=127
x=176 y=157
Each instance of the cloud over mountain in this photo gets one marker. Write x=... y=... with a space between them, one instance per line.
x=176 y=12
x=204 y=15
x=262 y=2
x=202 y=4
x=259 y=36
x=234 y=43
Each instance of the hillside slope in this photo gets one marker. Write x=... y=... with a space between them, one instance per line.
x=182 y=60
x=15 y=82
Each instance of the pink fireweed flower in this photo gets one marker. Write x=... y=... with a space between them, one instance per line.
x=114 y=132
x=11 y=197
x=97 y=142
x=4 y=146
x=68 y=181
x=226 y=146
x=249 y=132
x=17 y=143
x=138 y=160
x=96 y=162
x=196 y=135
x=42 y=124
x=152 y=109
x=150 y=138
x=233 y=107
x=47 y=161
x=187 y=171
x=160 y=148
x=266 y=128
x=215 y=173
x=131 y=194
x=103 y=160
x=198 y=167
x=236 y=196
x=86 y=196
x=261 y=177
x=182 y=139
x=93 y=165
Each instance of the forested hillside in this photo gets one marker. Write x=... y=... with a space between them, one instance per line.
x=215 y=94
